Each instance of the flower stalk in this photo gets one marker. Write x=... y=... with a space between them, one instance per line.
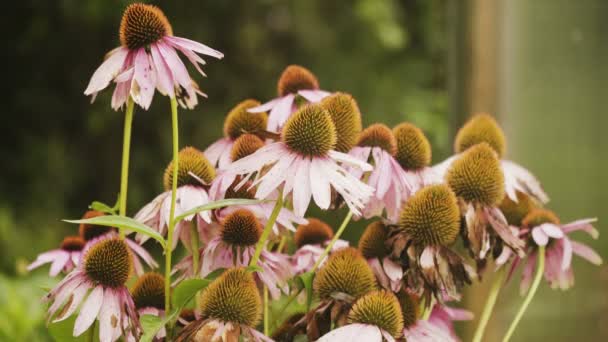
x=489 y=306
x=345 y=222
x=124 y=172
x=273 y=218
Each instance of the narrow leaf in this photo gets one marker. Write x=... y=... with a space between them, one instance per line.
x=307 y=279
x=122 y=222
x=216 y=205
x=186 y=290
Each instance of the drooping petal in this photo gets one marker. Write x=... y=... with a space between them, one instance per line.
x=75 y=301
x=107 y=70
x=552 y=230
x=586 y=253
x=313 y=95
x=89 y=311
x=59 y=263
x=539 y=236
x=349 y=160
x=142 y=91
x=165 y=82
x=280 y=113
x=584 y=225
x=319 y=185
x=194 y=46
x=301 y=188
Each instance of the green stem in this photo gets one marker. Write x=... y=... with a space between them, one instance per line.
x=266 y=316
x=124 y=172
x=333 y=241
x=540 y=268
x=273 y=218
x=489 y=306
x=169 y=245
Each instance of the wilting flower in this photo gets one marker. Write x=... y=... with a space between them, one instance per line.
x=147 y=60
x=413 y=153
x=483 y=128
x=100 y=278
x=306 y=164
x=438 y=327
x=311 y=239
x=378 y=146
x=429 y=225
x=343 y=279
x=294 y=84
x=149 y=298
x=375 y=317
x=235 y=246
x=230 y=308
x=238 y=122
x=542 y=227
x=90 y=233
x=477 y=180
x=62 y=259
x=372 y=245
x=194 y=175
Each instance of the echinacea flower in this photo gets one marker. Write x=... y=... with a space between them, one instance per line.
x=311 y=239
x=375 y=317
x=296 y=83
x=97 y=286
x=542 y=228
x=149 y=297
x=194 y=175
x=414 y=155
x=346 y=116
x=343 y=279
x=439 y=325
x=477 y=179
x=373 y=247
x=305 y=163
x=483 y=128
x=237 y=123
x=90 y=233
x=147 y=60
x=62 y=259
x=230 y=308
x=235 y=246
x=428 y=226
x=378 y=146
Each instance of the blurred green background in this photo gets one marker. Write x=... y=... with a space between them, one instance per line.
x=541 y=66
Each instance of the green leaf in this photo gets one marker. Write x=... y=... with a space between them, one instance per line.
x=216 y=205
x=306 y=279
x=122 y=222
x=151 y=325
x=187 y=289
x=62 y=331
x=104 y=208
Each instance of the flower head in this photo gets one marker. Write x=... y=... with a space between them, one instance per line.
x=65 y=258
x=346 y=117
x=147 y=60
x=481 y=128
x=373 y=247
x=149 y=291
x=311 y=239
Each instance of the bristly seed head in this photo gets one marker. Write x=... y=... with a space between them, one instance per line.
x=233 y=297
x=410 y=306
x=378 y=135
x=380 y=308
x=241 y=228
x=239 y=121
x=431 y=216
x=477 y=176
x=149 y=291
x=72 y=243
x=142 y=25
x=372 y=242
x=310 y=131
x=91 y=231
x=481 y=128
x=345 y=271
x=295 y=78
x=346 y=116
x=315 y=232
x=191 y=160
x=109 y=262
x=539 y=216
x=516 y=211
x=413 y=148
x=245 y=145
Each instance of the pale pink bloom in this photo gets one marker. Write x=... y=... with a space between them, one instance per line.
x=113 y=307
x=390 y=181
x=438 y=327
x=64 y=258
x=388 y=273
x=281 y=108
x=306 y=256
x=138 y=72
x=357 y=332
x=517 y=178
x=224 y=331
x=304 y=177
x=156 y=213
x=276 y=269
x=558 y=254
x=218 y=153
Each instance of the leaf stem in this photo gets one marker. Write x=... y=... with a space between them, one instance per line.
x=273 y=218
x=266 y=316
x=537 y=278
x=489 y=305
x=333 y=241
x=169 y=245
x=124 y=172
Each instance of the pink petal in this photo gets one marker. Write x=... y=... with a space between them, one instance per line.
x=350 y=160
x=194 y=46
x=539 y=236
x=275 y=176
x=280 y=113
x=313 y=95
x=180 y=73
x=586 y=253
x=59 y=263
x=567 y=259
x=77 y=296
x=319 y=184
x=301 y=190
x=552 y=230
x=265 y=106
x=121 y=94
x=107 y=70
x=584 y=224
x=165 y=82
x=44 y=258
x=109 y=317
x=89 y=311
x=142 y=91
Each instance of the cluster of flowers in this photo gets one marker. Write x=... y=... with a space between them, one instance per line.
x=306 y=144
